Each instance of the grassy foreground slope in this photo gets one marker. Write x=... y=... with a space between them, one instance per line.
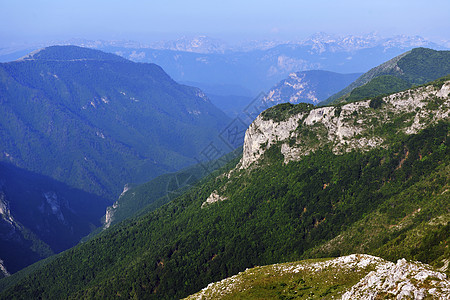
x=356 y=276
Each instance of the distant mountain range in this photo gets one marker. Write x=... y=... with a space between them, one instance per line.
x=257 y=65
x=307 y=86
x=320 y=42
x=299 y=87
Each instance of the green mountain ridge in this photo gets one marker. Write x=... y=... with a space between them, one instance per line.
x=384 y=84
x=77 y=125
x=412 y=68
x=111 y=113
x=70 y=53
x=299 y=184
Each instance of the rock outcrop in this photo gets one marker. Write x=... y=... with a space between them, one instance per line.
x=214 y=197
x=403 y=280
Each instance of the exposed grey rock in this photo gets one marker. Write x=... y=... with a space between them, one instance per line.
x=214 y=197
x=403 y=280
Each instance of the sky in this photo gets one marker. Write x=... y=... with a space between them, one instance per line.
x=30 y=21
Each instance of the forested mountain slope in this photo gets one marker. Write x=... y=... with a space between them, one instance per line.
x=307 y=176
x=140 y=199
x=40 y=216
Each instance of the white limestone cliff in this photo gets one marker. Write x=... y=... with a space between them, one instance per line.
x=347 y=127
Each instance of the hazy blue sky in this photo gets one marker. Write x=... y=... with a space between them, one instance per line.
x=39 y=20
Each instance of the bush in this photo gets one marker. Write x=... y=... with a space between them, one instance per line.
x=376 y=102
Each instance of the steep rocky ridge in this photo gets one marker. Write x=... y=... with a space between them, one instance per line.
x=347 y=127
x=4 y=272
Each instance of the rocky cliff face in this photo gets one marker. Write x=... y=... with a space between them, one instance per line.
x=3 y=271
x=9 y=228
x=264 y=133
x=352 y=126
x=109 y=215
x=5 y=212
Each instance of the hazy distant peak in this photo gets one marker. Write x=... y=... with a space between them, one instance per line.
x=70 y=53
x=321 y=42
x=197 y=44
x=406 y=41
